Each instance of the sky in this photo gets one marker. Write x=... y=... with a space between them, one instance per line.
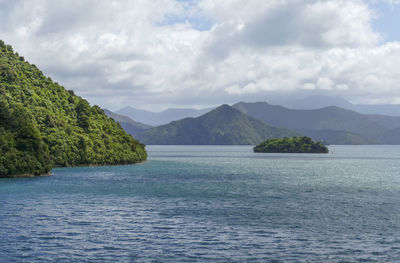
x=185 y=53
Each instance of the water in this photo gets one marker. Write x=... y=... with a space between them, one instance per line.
x=210 y=204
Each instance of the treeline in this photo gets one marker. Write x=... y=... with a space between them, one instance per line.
x=291 y=145
x=43 y=125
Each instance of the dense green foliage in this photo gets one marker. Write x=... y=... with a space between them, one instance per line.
x=43 y=125
x=22 y=150
x=222 y=126
x=130 y=126
x=291 y=145
x=331 y=124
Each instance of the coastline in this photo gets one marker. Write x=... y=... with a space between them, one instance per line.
x=26 y=175
x=98 y=165
x=81 y=165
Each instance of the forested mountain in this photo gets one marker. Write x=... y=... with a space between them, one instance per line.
x=329 y=124
x=43 y=125
x=160 y=118
x=130 y=126
x=222 y=126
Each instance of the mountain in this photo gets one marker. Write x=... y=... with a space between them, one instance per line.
x=383 y=109
x=390 y=122
x=130 y=126
x=160 y=118
x=339 y=137
x=222 y=126
x=142 y=116
x=317 y=102
x=331 y=124
x=43 y=125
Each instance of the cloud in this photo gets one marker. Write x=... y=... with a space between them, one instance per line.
x=306 y=23
x=392 y=2
x=199 y=53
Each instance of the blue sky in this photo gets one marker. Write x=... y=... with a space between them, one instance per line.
x=191 y=15
x=388 y=20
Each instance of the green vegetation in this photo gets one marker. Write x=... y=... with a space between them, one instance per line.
x=42 y=125
x=291 y=145
x=222 y=126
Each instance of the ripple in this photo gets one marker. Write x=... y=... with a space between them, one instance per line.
x=210 y=204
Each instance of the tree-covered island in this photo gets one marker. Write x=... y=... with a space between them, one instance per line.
x=291 y=145
x=43 y=125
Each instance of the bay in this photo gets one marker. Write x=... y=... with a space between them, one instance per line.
x=210 y=204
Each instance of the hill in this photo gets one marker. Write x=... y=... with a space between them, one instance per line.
x=327 y=122
x=43 y=125
x=383 y=109
x=222 y=126
x=130 y=126
x=339 y=137
x=160 y=118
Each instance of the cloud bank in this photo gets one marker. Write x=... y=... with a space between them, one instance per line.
x=153 y=54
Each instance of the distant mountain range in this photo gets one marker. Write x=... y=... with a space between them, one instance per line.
x=250 y=123
x=130 y=126
x=222 y=126
x=331 y=124
x=313 y=102
x=160 y=118
x=317 y=102
x=308 y=103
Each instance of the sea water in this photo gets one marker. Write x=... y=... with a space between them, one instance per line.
x=210 y=204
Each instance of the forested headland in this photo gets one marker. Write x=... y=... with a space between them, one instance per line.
x=43 y=125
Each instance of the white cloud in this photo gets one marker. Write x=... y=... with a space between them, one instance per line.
x=152 y=53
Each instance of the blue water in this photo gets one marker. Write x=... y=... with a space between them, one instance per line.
x=210 y=204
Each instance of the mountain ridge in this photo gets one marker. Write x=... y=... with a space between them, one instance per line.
x=221 y=126
x=322 y=101
x=366 y=128
x=160 y=118
x=130 y=126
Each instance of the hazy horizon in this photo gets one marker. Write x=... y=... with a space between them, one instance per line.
x=278 y=100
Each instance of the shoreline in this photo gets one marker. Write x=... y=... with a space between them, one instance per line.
x=98 y=165
x=15 y=176
x=26 y=175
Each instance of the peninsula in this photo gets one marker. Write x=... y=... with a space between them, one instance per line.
x=43 y=125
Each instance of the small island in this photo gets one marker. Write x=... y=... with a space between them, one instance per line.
x=291 y=145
